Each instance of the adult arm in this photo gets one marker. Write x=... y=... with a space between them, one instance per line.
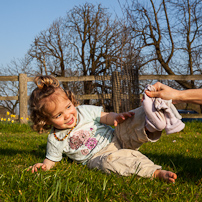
x=178 y=96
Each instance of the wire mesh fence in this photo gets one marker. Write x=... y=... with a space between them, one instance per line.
x=125 y=90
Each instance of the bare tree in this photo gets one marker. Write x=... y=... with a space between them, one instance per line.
x=49 y=50
x=165 y=29
x=11 y=88
x=188 y=13
x=85 y=42
x=96 y=42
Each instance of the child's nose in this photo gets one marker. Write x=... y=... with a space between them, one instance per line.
x=66 y=116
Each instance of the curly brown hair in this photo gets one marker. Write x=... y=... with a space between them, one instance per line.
x=46 y=86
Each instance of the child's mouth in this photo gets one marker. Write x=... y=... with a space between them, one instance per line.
x=70 y=122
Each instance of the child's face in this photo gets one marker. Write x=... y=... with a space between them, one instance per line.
x=62 y=113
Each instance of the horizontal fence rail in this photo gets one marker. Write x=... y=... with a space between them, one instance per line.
x=23 y=97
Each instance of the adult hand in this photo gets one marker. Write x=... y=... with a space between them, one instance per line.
x=165 y=92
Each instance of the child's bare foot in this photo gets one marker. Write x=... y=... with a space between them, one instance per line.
x=165 y=175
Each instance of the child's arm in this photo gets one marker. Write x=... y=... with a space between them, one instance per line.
x=113 y=118
x=46 y=165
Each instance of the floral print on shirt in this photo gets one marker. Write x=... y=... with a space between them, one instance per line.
x=91 y=143
x=75 y=142
x=82 y=137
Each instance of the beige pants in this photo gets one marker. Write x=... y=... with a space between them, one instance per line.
x=121 y=155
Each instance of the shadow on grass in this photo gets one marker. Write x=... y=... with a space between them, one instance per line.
x=187 y=168
x=38 y=153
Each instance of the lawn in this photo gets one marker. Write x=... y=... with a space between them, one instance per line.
x=21 y=147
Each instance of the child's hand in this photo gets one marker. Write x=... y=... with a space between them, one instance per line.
x=46 y=165
x=120 y=118
x=36 y=166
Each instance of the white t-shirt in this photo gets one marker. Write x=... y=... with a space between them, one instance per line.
x=85 y=140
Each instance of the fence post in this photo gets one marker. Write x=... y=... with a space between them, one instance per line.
x=116 y=91
x=134 y=94
x=23 y=98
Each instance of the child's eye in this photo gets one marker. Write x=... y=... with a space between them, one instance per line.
x=58 y=116
x=68 y=106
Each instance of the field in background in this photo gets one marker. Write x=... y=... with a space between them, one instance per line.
x=21 y=147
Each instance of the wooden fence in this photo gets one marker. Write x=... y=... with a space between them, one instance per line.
x=23 y=97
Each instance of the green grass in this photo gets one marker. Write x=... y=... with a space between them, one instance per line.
x=20 y=147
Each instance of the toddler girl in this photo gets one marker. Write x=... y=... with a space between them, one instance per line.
x=83 y=134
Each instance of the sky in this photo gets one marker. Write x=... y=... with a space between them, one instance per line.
x=22 y=20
